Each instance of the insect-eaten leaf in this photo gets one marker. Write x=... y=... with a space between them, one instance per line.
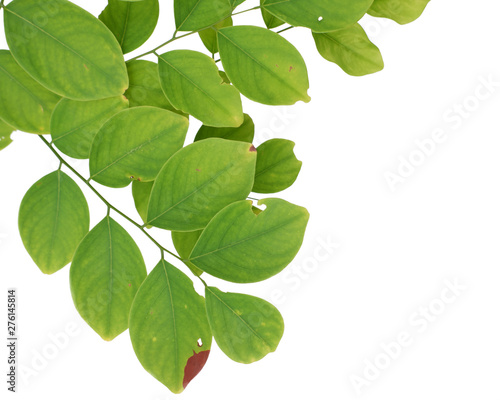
x=5 y=132
x=65 y=48
x=192 y=83
x=200 y=180
x=242 y=247
x=351 y=49
x=74 y=124
x=401 y=11
x=106 y=273
x=263 y=66
x=53 y=219
x=169 y=329
x=134 y=145
x=243 y=133
x=18 y=88
x=245 y=327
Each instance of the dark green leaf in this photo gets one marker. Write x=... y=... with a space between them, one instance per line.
x=263 y=66
x=277 y=167
x=132 y=23
x=243 y=133
x=240 y=246
x=74 y=124
x=351 y=50
x=192 y=83
x=65 y=48
x=53 y=219
x=401 y=11
x=24 y=103
x=184 y=243
x=192 y=15
x=245 y=327
x=119 y=154
x=105 y=275
x=209 y=36
x=270 y=20
x=200 y=180
x=169 y=327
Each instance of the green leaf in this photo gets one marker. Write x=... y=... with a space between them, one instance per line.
x=141 y=191
x=169 y=327
x=5 y=132
x=106 y=273
x=184 y=243
x=269 y=19
x=224 y=77
x=119 y=154
x=277 y=167
x=24 y=103
x=132 y=23
x=263 y=66
x=401 y=11
x=243 y=133
x=200 y=180
x=245 y=327
x=53 y=219
x=65 y=48
x=319 y=15
x=351 y=50
x=192 y=83
x=240 y=246
x=74 y=124
x=236 y=3
x=193 y=15
x=209 y=36
x=144 y=88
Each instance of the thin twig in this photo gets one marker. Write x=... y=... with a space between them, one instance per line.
x=284 y=30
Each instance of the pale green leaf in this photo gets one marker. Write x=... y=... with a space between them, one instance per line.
x=401 y=11
x=184 y=243
x=134 y=145
x=132 y=24
x=245 y=327
x=277 y=167
x=209 y=36
x=5 y=132
x=351 y=49
x=193 y=15
x=53 y=219
x=200 y=180
x=240 y=246
x=243 y=133
x=192 y=83
x=74 y=124
x=319 y=15
x=141 y=191
x=263 y=66
x=106 y=273
x=24 y=103
x=65 y=48
x=169 y=327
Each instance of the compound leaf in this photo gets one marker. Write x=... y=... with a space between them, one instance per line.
x=200 y=180
x=24 y=103
x=132 y=23
x=53 y=219
x=65 y=48
x=240 y=246
x=401 y=11
x=192 y=83
x=193 y=15
x=245 y=327
x=119 y=154
x=351 y=49
x=74 y=124
x=106 y=273
x=243 y=133
x=184 y=243
x=263 y=66
x=318 y=15
x=277 y=167
x=169 y=327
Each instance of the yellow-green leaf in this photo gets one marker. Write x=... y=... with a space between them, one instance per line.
x=401 y=11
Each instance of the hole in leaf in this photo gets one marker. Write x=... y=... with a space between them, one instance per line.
x=200 y=342
x=320 y=19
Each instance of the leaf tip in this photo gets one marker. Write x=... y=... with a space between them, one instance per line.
x=194 y=365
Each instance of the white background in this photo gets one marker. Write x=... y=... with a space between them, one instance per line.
x=392 y=252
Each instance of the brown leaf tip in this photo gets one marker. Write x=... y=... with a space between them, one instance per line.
x=252 y=149
x=194 y=365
